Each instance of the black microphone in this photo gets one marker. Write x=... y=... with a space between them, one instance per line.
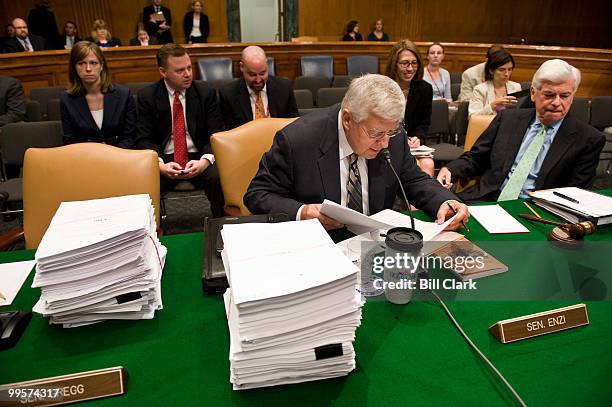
x=387 y=155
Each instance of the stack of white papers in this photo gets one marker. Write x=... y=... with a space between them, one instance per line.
x=292 y=307
x=100 y=260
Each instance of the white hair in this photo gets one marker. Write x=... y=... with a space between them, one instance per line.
x=556 y=71
x=373 y=94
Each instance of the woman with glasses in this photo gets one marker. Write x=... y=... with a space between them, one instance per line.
x=493 y=95
x=93 y=108
x=405 y=67
x=436 y=76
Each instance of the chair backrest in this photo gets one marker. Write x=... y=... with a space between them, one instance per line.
x=271 y=66
x=478 y=123
x=439 y=118
x=215 y=68
x=330 y=96
x=16 y=138
x=79 y=172
x=455 y=90
x=455 y=77
x=580 y=109
x=318 y=65
x=361 y=64
x=343 y=81
x=136 y=86
x=53 y=110
x=311 y=83
x=238 y=153
x=219 y=83
x=601 y=112
x=303 y=98
x=33 y=113
x=42 y=96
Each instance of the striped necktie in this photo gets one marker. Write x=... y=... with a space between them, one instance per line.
x=515 y=184
x=353 y=186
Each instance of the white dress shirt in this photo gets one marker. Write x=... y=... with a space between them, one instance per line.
x=191 y=148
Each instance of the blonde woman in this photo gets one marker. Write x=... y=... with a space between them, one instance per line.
x=101 y=36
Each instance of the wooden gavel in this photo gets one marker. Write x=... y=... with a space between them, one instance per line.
x=575 y=230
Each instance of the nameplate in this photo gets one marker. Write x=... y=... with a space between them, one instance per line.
x=65 y=389
x=542 y=323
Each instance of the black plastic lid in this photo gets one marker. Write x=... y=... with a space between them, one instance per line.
x=404 y=239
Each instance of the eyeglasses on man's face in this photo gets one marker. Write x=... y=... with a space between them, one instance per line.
x=375 y=134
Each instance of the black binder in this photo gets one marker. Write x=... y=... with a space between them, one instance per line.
x=214 y=280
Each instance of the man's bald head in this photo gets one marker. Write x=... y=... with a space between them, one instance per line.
x=21 y=28
x=254 y=67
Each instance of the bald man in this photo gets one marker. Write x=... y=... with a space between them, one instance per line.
x=23 y=41
x=256 y=94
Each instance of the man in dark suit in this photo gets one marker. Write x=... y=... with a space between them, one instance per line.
x=552 y=148
x=176 y=118
x=70 y=36
x=12 y=102
x=158 y=28
x=335 y=153
x=23 y=42
x=256 y=94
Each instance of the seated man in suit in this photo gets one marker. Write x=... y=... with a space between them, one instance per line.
x=336 y=154
x=256 y=94
x=23 y=41
x=529 y=149
x=176 y=117
x=12 y=101
x=70 y=36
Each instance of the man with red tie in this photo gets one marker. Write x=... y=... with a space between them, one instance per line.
x=176 y=117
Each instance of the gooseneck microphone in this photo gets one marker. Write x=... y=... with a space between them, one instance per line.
x=387 y=155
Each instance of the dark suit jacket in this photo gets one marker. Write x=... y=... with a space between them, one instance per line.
x=152 y=28
x=154 y=127
x=118 y=124
x=347 y=37
x=571 y=160
x=13 y=45
x=12 y=101
x=417 y=117
x=136 y=41
x=302 y=167
x=60 y=41
x=236 y=104
x=188 y=26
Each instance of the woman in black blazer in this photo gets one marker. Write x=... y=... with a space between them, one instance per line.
x=94 y=109
x=194 y=23
x=405 y=67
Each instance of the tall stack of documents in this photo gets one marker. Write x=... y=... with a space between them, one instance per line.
x=100 y=260
x=292 y=306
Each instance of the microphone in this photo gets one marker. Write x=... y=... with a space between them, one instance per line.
x=387 y=155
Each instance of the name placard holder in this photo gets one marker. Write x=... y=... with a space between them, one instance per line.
x=542 y=323
x=65 y=389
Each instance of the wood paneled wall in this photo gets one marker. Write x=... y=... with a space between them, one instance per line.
x=120 y=15
x=137 y=64
x=584 y=23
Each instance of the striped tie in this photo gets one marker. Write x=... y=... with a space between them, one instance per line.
x=353 y=186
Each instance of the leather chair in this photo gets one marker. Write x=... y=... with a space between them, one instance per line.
x=238 y=153
x=303 y=98
x=312 y=83
x=580 y=109
x=318 y=65
x=477 y=124
x=43 y=95
x=439 y=130
x=214 y=69
x=33 y=113
x=361 y=64
x=82 y=171
x=601 y=112
x=53 y=110
x=271 y=66
x=330 y=96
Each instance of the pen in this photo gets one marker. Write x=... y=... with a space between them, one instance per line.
x=532 y=210
x=560 y=195
x=455 y=212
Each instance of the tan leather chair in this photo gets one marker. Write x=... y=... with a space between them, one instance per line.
x=78 y=172
x=477 y=124
x=237 y=154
